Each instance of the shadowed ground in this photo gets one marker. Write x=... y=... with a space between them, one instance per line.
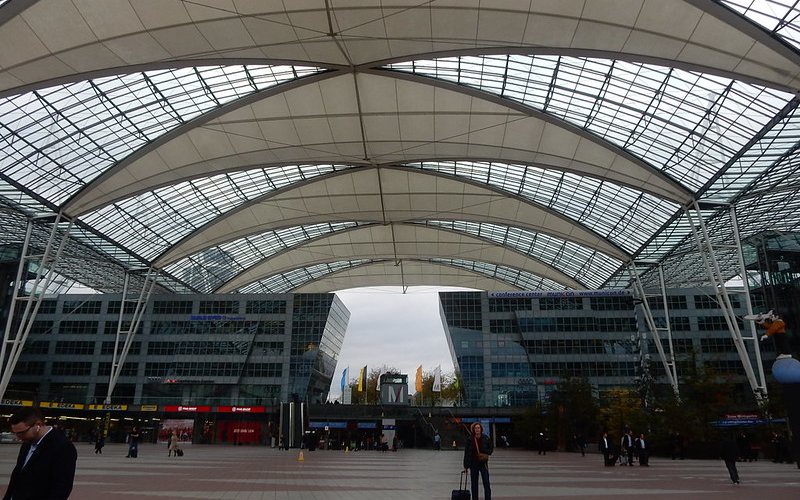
x=257 y=473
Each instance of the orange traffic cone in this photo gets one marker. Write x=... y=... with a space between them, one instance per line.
x=301 y=458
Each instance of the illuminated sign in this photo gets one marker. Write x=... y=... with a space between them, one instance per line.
x=16 y=402
x=108 y=407
x=193 y=409
x=149 y=408
x=65 y=406
x=215 y=317
x=242 y=409
x=559 y=294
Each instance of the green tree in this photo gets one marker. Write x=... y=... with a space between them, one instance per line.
x=449 y=394
x=622 y=409
x=572 y=410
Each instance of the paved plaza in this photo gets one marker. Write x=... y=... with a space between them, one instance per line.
x=256 y=473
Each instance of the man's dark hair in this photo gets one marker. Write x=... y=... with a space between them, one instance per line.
x=27 y=414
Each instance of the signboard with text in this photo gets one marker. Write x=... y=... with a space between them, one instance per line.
x=108 y=407
x=16 y=402
x=64 y=406
x=191 y=409
x=241 y=409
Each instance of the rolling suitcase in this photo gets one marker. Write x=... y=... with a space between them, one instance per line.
x=460 y=494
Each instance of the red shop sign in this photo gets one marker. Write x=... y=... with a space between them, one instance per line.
x=200 y=409
x=241 y=409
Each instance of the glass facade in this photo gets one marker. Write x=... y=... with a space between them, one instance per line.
x=510 y=347
x=194 y=349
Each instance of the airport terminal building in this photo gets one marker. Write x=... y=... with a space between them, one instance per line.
x=511 y=348
x=247 y=350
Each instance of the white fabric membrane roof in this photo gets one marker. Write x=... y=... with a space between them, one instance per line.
x=270 y=146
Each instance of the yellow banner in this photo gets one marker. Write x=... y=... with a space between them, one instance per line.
x=16 y=402
x=149 y=408
x=108 y=407
x=65 y=406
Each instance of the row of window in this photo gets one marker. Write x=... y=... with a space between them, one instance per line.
x=153 y=369
x=95 y=307
x=470 y=303
x=578 y=346
x=576 y=324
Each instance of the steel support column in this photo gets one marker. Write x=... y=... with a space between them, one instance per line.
x=139 y=302
x=667 y=361
x=46 y=262
x=706 y=250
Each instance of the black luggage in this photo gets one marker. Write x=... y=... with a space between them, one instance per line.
x=460 y=494
x=179 y=452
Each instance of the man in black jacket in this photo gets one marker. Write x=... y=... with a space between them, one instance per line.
x=45 y=466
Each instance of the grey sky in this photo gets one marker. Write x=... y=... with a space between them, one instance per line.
x=393 y=329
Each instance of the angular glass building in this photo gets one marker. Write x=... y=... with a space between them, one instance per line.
x=255 y=349
x=510 y=348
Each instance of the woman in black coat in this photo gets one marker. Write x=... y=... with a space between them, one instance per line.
x=476 y=459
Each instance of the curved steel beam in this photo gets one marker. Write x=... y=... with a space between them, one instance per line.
x=584 y=53
x=191 y=243
x=75 y=204
x=421 y=274
x=751 y=29
x=304 y=254
x=680 y=195
x=159 y=65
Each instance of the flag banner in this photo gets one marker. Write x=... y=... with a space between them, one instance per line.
x=362 y=379
x=437 y=379
x=418 y=384
x=344 y=378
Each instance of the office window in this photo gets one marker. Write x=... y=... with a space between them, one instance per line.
x=674 y=302
x=29 y=368
x=717 y=345
x=263 y=370
x=81 y=307
x=71 y=368
x=35 y=347
x=611 y=303
x=510 y=304
x=108 y=347
x=75 y=347
x=172 y=307
x=78 y=327
x=265 y=307
x=561 y=304
x=128 y=369
x=219 y=307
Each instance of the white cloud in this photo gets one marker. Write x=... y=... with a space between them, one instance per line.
x=395 y=329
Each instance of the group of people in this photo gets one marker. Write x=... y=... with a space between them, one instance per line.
x=630 y=449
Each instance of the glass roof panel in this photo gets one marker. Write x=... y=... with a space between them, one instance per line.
x=623 y=215
x=684 y=123
x=779 y=17
x=522 y=279
x=286 y=282
x=588 y=266
x=58 y=139
x=763 y=166
x=150 y=223
x=212 y=267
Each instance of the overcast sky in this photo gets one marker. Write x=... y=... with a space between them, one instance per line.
x=393 y=329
